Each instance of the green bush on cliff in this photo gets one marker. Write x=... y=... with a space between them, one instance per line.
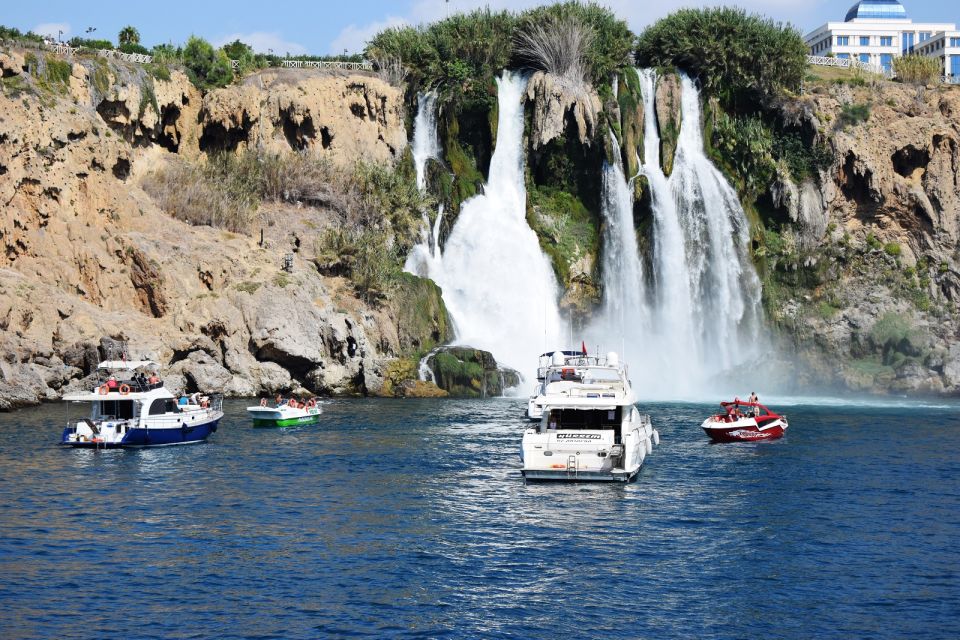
x=463 y=53
x=917 y=69
x=607 y=48
x=733 y=54
x=208 y=68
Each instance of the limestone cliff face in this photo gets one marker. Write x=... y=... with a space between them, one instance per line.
x=344 y=117
x=87 y=254
x=555 y=104
x=882 y=226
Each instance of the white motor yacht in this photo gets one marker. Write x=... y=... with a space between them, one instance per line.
x=570 y=358
x=590 y=428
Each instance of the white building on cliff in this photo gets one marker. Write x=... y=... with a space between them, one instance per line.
x=876 y=31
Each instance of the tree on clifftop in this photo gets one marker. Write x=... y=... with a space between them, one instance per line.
x=734 y=55
x=206 y=66
x=128 y=35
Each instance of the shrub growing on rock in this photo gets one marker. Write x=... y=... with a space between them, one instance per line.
x=733 y=54
x=207 y=68
x=917 y=69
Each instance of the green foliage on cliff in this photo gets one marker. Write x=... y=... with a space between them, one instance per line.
x=462 y=54
x=12 y=33
x=566 y=229
x=421 y=316
x=208 y=68
x=733 y=54
x=752 y=152
x=917 y=69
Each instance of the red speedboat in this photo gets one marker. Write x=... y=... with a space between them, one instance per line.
x=743 y=421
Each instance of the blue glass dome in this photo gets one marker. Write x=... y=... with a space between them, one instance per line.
x=877 y=10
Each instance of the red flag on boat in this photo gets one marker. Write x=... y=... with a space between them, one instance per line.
x=583 y=347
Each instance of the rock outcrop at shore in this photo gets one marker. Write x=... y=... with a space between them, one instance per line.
x=88 y=254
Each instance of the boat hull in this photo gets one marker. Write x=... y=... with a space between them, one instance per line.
x=144 y=438
x=543 y=475
x=274 y=417
x=744 y=433
x=273 y=423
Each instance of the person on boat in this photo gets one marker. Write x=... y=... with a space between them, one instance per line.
x=153 y=379
x=195 y=398
x=112 y=384
x=755 y=410
x=279 y=401
x=183 y=401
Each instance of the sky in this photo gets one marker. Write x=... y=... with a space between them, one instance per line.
x=333 y=27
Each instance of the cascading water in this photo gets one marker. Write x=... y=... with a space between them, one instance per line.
x=425 y=146
x=725 y=289
x=673 y=306
x=498 y=286
x=625 y=309
x=700 y=315
x=426 y=142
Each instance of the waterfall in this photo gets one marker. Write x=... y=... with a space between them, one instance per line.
x=673 y=306
x=425 y=146
x=697 y=314
x=624 y=310
x=426 y=142
x=498 y=286
x=725 y=289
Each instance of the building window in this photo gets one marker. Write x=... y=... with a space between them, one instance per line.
x=908 y=41
x=924 y=36
x=864 y=41
x=843 y=56
x=955 y=42
x=843 y=41
x=886 y=61
x=886 y=41
x=955 y=66
x=864 y=58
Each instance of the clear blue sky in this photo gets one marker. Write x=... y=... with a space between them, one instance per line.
x=332 y=26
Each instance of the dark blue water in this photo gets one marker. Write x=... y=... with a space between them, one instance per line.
x=409 y=518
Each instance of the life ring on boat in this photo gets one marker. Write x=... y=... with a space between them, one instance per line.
x=124 y=389
x=311 y=403
x=103 y=390
x=263 y=402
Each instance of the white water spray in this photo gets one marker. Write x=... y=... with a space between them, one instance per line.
x=497 y=284
x=425 y=146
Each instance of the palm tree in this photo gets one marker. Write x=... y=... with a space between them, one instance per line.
x=129 y=35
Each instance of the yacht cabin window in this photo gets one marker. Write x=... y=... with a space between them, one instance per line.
x=161 y=406
x=584 y=419
x=117 y=409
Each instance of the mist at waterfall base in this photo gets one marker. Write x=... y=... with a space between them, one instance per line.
x=498 y=286
x=685 y=320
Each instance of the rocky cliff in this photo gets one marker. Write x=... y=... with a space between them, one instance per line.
x=866 y=279
x=88 y=254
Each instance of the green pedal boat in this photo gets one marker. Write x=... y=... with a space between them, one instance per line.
x=285 y=414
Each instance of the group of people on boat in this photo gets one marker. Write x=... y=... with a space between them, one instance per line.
x=292 y=403
x=139 y=382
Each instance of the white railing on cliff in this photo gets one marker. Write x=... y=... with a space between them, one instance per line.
x=323 y=64
x=847 y=63
x=139 y=58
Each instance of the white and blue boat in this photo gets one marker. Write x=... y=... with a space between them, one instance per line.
x=128 y=409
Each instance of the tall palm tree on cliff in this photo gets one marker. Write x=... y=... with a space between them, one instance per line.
x=129 y=35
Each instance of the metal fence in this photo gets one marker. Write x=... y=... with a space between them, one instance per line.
x=66 y=50
x=848 y=63
x=323 y=64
